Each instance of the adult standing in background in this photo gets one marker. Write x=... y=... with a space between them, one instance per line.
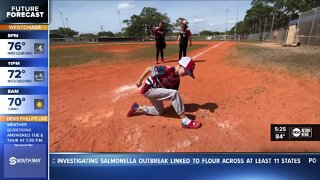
x=183 y=38
x=159 y=39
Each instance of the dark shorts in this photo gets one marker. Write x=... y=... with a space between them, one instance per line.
x=161 y=45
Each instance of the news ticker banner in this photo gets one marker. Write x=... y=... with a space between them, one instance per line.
x=262 y=166
x=24 y=89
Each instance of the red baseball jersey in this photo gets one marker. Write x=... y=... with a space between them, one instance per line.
x=161 y=77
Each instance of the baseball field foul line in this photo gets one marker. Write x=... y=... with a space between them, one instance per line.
x=194 y=57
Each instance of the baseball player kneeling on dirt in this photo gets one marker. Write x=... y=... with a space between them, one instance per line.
x=163 y=85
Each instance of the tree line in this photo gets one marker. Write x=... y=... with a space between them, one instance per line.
x=136 y=26
x=274 y=13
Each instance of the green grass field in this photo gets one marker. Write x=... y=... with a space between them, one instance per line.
x=296 y=60
x=61 y=57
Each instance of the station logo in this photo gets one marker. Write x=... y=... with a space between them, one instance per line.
x=25 y=161
x=301 y=132
x=16 y=161
x=296 y=132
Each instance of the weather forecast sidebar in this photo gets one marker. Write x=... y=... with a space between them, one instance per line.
x=24 y=89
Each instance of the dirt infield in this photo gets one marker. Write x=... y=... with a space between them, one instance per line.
x=88 y=106
x=115 y=49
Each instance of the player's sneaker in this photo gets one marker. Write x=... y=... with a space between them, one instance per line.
x=134 y=107
x=192 y=125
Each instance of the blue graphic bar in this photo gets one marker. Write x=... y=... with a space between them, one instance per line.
x=41 y=90
x=185 y=166
x=20 y=62
x=23 y=35
x=24 y=89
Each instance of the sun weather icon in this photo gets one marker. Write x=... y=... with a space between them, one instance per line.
x=38 y=104
x=39 y=48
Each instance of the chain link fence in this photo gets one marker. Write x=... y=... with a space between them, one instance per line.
x=309 y=27
x=308 y=30
x=278 y=35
